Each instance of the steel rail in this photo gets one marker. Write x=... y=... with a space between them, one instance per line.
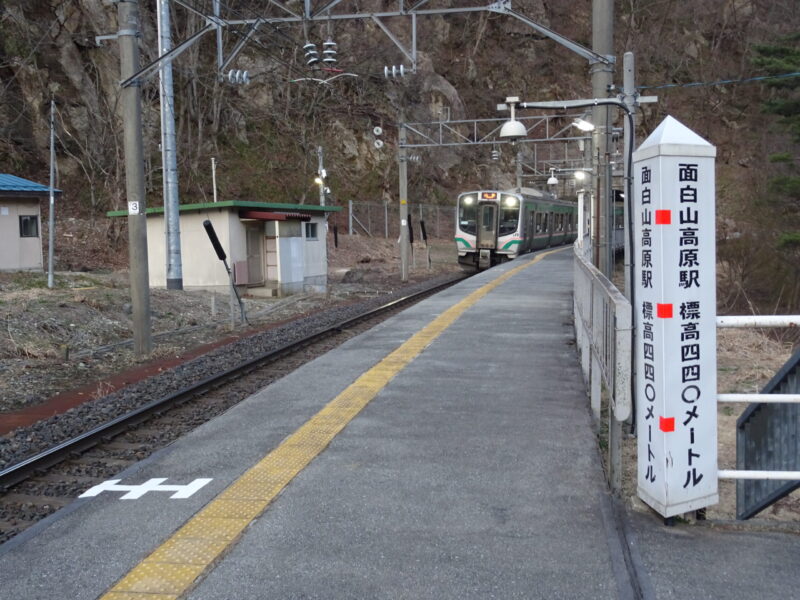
x=52 y=456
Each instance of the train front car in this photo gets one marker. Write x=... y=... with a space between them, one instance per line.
x=488 y=228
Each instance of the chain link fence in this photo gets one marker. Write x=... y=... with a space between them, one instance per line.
x=377 y=219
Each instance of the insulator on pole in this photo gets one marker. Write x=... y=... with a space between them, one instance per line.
x=395 y=71
x=329 y=52
x=312 y=56
x=238 y=77
x=495 y=154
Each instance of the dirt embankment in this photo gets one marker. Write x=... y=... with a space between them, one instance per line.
x=52 y=340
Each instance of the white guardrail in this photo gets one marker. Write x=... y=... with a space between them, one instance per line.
x=759 y=321
x=603 y=334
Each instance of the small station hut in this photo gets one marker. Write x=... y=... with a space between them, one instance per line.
x=273 y=249
x=21 y=223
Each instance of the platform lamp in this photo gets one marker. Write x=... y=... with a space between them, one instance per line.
x=512 y=129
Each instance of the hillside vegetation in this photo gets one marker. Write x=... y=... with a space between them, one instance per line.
x=264 y=135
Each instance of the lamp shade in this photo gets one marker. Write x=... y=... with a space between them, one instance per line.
x=513 y=129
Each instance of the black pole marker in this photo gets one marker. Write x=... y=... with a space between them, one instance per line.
x=212 y=235
x=425 y=238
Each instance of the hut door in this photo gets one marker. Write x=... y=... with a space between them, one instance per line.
x=255 y=253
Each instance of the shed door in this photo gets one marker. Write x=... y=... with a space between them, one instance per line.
x=487 y=226
x=255 y=263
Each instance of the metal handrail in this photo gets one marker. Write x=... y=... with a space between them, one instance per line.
x=765 y=430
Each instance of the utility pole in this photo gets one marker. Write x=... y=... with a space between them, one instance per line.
x=128 y=17
x=52 y=229
x=403 y=171
x=168 y=154
x=519 y=170
x=602 y=80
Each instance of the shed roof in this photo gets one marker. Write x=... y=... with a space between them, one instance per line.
x=237 y=205
x=12 y=186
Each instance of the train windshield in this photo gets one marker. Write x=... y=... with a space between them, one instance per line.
x=509 y=219
x=467 y=213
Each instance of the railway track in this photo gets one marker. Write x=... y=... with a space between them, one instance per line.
x=39 y=485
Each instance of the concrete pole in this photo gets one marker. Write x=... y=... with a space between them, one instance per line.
x=169 y=154
x=602 y=79
x=629 y=98
x=403 y=172
x=320 y=172
x=214 y=176
x=51 y=234
x=128 y=17
x=519 y=170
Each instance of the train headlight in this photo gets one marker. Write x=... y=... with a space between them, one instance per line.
x=468 y=200
x=510 y=201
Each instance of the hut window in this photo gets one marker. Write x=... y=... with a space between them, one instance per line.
x=28 y=226
x=311 y=231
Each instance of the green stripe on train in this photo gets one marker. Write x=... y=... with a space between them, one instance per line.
x=511 y=243
x=463 y=241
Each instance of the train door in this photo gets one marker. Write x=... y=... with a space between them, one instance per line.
x=530 y=230
x=487 y=234
x=549 y=224
x=487 y=226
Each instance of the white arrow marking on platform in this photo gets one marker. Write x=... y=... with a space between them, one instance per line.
x=135 y=492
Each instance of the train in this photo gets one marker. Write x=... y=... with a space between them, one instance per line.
x=494 y=226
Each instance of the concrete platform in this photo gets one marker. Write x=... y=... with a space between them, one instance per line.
x=469 y=470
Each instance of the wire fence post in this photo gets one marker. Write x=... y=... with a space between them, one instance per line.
x=350 y=217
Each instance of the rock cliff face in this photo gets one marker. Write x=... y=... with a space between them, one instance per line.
x=264 y=136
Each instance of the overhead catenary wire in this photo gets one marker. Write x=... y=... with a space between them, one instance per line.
x=718 y=82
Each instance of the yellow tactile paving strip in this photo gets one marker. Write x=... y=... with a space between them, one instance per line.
x=175 y=566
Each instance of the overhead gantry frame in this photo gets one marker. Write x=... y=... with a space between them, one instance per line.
x=284 y=15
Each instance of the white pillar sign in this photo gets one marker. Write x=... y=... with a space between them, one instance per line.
x=675 y=313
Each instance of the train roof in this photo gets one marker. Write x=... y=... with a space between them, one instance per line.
x=532 y=193
x=539 y=195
